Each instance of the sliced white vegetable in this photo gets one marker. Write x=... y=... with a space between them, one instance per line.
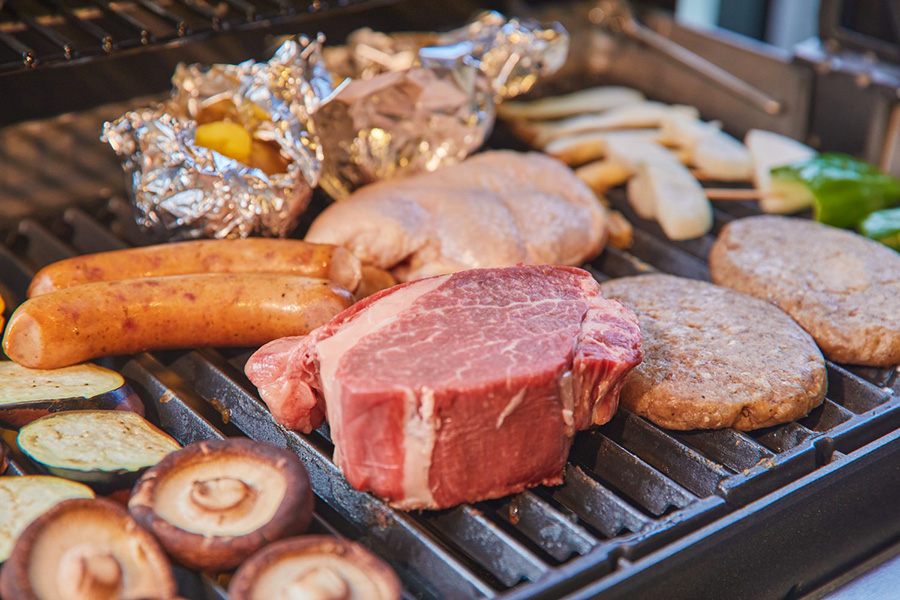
x=601 y=175
x=591 y=100
x=676 y=198
x=768 y=151
x=641 y=115
x=718 y=155
x=583 y=147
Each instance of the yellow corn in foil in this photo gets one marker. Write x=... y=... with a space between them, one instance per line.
x=231 y=153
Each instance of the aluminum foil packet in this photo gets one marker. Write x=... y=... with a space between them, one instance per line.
x=420 y=101
x=259 y=160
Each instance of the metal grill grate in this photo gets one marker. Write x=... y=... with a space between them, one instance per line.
x=39 y=33
x=630 y=487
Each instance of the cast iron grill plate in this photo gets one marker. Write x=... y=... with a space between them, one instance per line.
x=630 y=487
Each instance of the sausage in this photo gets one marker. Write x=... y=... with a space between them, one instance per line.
x=253 y=255
x=184 y=311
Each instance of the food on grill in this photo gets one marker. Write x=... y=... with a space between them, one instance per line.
x=715 y=153
x=106 y=449
x=315 y=567
x=840 y=287
x=883 y=226
x=495 y=209
x=583 y=147
x=844 y=189
x=28 y=394
x=234 y=141
x=24 y=499
x=629 y=116
x=590 y=100
x=429 y=383
x=373 y=280
x=715 y=358
x=214 y=503
x=662 y=188
x=185 y=311
x=768 y=151
x=86 y=550
x=253 y=255
x=601 y=175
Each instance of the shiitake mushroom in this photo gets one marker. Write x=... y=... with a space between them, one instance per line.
x=314 y=568
x=86 y=550
x=215 y=502
x=105 y=449
x=24 y=499
x=29 y=394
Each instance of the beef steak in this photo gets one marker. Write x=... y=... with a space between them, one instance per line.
x=459 y=387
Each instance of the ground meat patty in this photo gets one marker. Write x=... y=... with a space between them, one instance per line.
x=842 y=288
x=716 y=358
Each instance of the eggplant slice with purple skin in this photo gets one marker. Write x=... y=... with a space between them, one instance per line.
x=29 y=394
x=86 y=550
x=105 y=449
x=215 y=502
x=315 y=566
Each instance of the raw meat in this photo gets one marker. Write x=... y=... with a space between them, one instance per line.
x=496 y=209
x=459 y=387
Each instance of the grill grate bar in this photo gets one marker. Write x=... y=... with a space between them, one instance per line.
x=55 y=38
x=23 y=50
x=677 y=461
x=181 y=27
x=488 y=545
x=548 y=528
x=627 y=472
x=85 y=25
x=596 y=505
x=782 y=438
x=728 y=447
x=130 y=21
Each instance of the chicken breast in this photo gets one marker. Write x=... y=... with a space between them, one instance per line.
x=496 y=209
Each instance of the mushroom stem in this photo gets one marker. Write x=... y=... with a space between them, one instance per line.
x=219 y=494
x=90 y=573
x=320 y=583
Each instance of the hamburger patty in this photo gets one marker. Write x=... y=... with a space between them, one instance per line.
x=716 y=358
x=840 y=287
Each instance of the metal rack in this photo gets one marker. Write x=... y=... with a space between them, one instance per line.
x=43 y=33
x=630 y=488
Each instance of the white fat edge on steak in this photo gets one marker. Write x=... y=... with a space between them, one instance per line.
x=372 y=319
x=565 y=386
x=420 y=435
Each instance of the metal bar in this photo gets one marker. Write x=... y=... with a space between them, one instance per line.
x=130 y=21
x=596 y=505
x=181 y=27
x=105 y=38
x=28 y=57
x=52 y=36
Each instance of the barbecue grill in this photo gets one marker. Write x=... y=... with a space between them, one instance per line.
x=774 y=513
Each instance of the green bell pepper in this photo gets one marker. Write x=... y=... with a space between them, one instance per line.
x=845 y=189
x=883 y=226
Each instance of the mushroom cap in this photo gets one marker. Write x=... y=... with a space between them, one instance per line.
x=315 y=567
x=214 y=503
x=86 y=550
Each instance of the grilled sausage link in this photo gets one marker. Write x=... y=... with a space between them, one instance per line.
x=123 y=317
x=254 y=255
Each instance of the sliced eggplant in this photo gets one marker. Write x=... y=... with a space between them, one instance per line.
x=86 y=550
x=771 y=150
x=24 y=499
x=315 y=567
x=215 y=502
x=29 y=394
x=105 y=449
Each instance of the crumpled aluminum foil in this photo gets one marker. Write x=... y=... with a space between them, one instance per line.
x=184 y=191
x=422 y=101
